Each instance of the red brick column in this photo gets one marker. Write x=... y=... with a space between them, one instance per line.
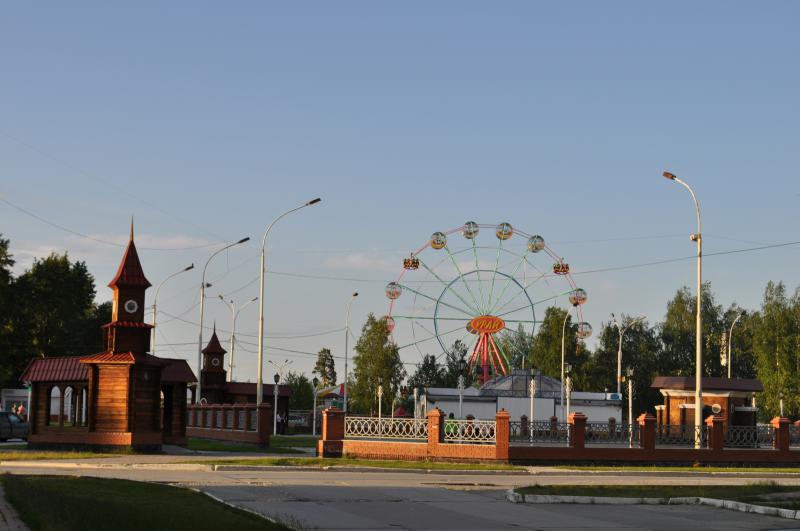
x=781 y=441
x=647 y=431
x=502 y=434
x=264 y=423
x=577 y=425
x=435 y=430
x=332 y=442
x=716 y=433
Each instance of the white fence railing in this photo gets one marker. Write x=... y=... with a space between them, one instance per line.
x=469 y=431
x=385 y=428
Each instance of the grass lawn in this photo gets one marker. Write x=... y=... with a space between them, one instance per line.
x=702 y=469
x=727 y=492
x=205 y=445
x=296 y=441
x=320 y=462
x=37 y=455
x=62 y=503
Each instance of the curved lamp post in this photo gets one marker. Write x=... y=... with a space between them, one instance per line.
x=730 y=339
x=155 y=301
x=698 y=389
x=347 y=347
x=622 y=331
x=234 y=314
x=203 y=287
x=259 y=381
x=278 y=377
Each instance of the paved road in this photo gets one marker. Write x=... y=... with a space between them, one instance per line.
x=390 y=500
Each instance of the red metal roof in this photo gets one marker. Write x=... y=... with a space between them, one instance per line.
x=126 y=324
x=130 y=273
x=686 y=383
x=177 y=371
x=110 y=357
x=213 y=346
x=66 y=369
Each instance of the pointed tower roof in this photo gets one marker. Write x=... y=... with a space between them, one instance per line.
x=214 y=346
x=130 y=273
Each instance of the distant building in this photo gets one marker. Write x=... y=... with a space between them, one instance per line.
x=731 y=398
x=215 y=389
x=512 y=393
x=120 y=397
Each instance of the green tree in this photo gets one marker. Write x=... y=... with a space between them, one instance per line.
x=302 y=393
x=455 y=357
x=428 y=374
x=325 y=368
x=516 y=346
x=741 y=343
x=377 y=362
x=545 y=351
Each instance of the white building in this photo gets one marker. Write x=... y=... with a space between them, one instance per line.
x=512 y=393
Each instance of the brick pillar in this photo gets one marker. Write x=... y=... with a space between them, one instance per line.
x=435 y=430
x=716 y=432
x=264 y=423
x=647 y=431
x=332 y=442
x=577 y=427
x=502 y=433
x=781 y=440
x=523 y=426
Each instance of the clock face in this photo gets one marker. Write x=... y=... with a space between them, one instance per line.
x=131 y=306
x=215 y=362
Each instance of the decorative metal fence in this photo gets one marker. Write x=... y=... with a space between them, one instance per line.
x=469 y=431
x=680 y=435
x=541 y=432
x=385 y=428
x=601 y=433
x=794 y=436
x=760 y=436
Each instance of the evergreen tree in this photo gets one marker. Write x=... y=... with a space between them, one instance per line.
x=454 y=358
x=377 y=362
x=545 y=353
x=428 y=374
x=325 y=368
x=302 y=394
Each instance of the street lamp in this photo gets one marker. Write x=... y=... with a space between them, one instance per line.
x=780 y=396
x=698 y=388
x=347 y=346
x=461 y=366
x=234 y=315
x=532 y=391
x=630 y=407
x=203 y=287
x=155 y=300
x=277 y=379
x=730 y=339
x=259 y=381
x=380 y=399
x=416 y=405
x=622 y=331
x=315 y=383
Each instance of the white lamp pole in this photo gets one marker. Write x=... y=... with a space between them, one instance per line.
x=730 y=339
x=630 y=407
x=460 y=396
x=234 y=315
x=155 y=301
x=622 y=331
x=203 y=287
x=315 y=384
x=260 y=380
x=532 y=390
x=698 y=390
x=277 y=378
x=347 y=346
x=563 y=335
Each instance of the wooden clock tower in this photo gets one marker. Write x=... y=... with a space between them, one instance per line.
x=213 y=375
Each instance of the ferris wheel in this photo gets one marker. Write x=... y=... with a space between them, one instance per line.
x=480 y=285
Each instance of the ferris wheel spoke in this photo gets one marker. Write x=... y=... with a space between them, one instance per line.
x=436 y=300
x=430 y=338
x=494 y=274
x=515 y=297
x=448 y=286
x=463 y=280
x=478 y=272
x=508 y=281
x=535 y=303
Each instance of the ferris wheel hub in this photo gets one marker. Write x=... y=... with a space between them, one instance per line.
x=486 y=324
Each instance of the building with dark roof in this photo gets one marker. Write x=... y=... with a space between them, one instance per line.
x=121 y=397
x=731 y=398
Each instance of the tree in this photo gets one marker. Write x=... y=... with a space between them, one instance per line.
x=516 y=345
x=302 y=394
x=325 y=368
x=428 y=374
x=454 y=359
x=53 y=314
x=545 y=351
x=377 y=362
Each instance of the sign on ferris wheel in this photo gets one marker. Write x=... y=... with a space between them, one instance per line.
x=480 y=285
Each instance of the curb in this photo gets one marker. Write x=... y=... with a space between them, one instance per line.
x=660 y=473
x=106 y=466
x=791 y=514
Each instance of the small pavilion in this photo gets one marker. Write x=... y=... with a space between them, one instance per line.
x=731 y=398
x=120 y=397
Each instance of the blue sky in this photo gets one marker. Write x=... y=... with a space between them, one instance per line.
x=206 y=120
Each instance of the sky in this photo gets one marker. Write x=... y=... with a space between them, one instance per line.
x=206 y=120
